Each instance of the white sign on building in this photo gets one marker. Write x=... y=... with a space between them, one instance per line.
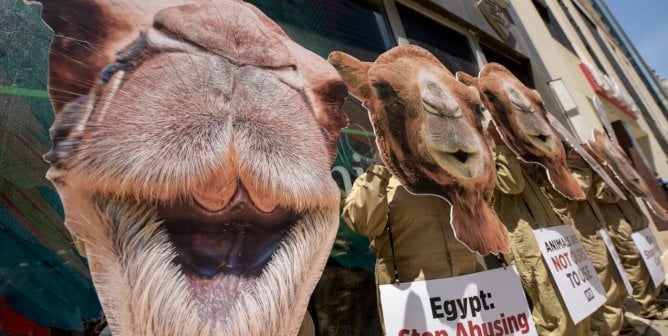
x=485 y=303
x=615 y=258
x=651 y=254
x=572 y=271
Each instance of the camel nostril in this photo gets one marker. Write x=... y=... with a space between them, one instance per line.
x=262 y=200
x=542 y=137
x=217 y=196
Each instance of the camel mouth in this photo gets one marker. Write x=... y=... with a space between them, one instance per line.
x=442 y=110
x=238 y=240
x=542 y=137
x=544 y=142
x=461 y=155
x=461 y=163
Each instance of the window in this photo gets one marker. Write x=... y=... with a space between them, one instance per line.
x=581 y=36
x=448 y=45
x=552 y=24
x=325 y=26
x=520 y=67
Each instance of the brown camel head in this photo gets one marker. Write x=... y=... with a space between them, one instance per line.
x=429 y=133
x=519 y=114
x=192 y=151
x=613 y=156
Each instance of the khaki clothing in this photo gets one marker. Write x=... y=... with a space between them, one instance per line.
x=522 y=207
x=623 y=217
x=424 y=243
x=587 y=219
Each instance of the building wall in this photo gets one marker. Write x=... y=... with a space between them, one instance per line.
x=530 y=38
x=560 y=63
x=652 y=150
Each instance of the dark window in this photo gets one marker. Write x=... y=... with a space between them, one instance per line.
x=552 y=24
x=449 y=46
x=520 y=67
x=581 y=36
x=322 y=26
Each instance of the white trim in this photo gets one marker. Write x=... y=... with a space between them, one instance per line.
x=394 y=22
x=474 y=44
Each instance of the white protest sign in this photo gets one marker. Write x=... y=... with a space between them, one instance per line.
x=651 y=254
x=615 y=258
x=572 y=271
x=485 y=303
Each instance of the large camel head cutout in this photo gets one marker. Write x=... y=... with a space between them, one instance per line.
x=519 y=115
x=192 y=151
x=429 y=133
x=613 y=156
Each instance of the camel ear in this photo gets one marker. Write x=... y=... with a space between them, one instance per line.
x=466 y=79
x=88 y=34
x=354 y=73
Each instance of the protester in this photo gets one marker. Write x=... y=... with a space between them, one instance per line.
x=587 y=219
x=410 y=234
x=623 y=218
x=523 y=207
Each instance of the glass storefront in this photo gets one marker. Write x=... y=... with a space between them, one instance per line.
x=42 y=276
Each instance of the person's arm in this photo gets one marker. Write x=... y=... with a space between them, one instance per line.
x=509 y=179
x=365 y=210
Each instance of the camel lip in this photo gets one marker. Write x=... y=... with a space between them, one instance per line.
x=460 y=162
x=240 y=239
x=440 y=111
x=542 y=137
x=461 y=156
x=541 y=140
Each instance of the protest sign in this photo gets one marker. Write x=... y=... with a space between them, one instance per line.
x=485 y=303
x=651 y=254
x=572 y=271
x=615 y=258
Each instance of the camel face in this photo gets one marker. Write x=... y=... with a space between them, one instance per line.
x=194 y=163
x=450 y=136
x=429 y=133
x=520 y=116
x=613 y=156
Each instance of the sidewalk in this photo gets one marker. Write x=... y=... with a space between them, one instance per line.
x=644 y=326
x=648 y=327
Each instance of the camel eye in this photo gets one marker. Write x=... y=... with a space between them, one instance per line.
x=384 y=90
x=478 y=108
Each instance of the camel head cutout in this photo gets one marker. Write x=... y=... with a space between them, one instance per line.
x=613 y=156
x=192 y=149
x=519 y=115
x=429 y=133
x=582 y=151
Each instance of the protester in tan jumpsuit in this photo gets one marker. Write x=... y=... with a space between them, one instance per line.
x=587 y=219
x=523 y=207
x=623 y=218
x=424 y=243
